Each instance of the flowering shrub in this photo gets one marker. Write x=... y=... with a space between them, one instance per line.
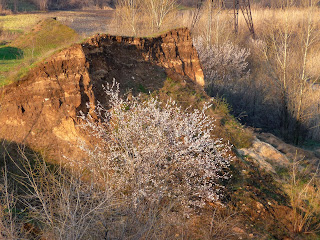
x=157 y=152
x=223 y=65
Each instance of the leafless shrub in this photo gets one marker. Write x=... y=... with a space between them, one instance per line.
x=64 y=204
x=42 y=4
x=10 y=227
x=128 y=14
x=2 y=5
x=159 y=10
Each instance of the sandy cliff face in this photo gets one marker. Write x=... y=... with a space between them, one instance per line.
x=41 y=110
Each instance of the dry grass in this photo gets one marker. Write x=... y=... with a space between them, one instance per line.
x=266 y=15
x=20 y=22
x=303 y=188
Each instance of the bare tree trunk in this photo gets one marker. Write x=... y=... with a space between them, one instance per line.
x=15 y=5
x=278 y=61
x=42 y=4
x=209 y=23
x=289 y=69
x=303 y=84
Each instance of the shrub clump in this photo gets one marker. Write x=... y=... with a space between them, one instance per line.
x=225 y=66
x=156 y=152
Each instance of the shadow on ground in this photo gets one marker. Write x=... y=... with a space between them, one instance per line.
x=10 y=53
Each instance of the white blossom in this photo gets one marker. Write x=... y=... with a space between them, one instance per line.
x=153 y=151
x=223 y=65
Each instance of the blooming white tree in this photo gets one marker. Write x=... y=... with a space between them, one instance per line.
x=156 y=152
x=224 y=65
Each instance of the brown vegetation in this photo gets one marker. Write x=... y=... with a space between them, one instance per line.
x=280 y=93
x=268 y=82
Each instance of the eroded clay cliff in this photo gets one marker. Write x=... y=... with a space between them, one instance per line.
x=42 y=109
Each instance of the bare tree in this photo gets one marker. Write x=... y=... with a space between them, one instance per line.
x=303 y=80
x=278 y=51
x=42 y=4
x=159 y=10
x=286 y=57
x=127 y=14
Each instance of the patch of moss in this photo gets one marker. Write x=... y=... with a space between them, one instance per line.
x=142 y=89
x=311 y=144
x=282 y=172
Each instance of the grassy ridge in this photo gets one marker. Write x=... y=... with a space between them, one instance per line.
x=17 y=57
x=19 y=22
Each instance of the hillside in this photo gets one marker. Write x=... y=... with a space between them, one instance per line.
x=41 y=112
x=21 y=54
x=53 y=93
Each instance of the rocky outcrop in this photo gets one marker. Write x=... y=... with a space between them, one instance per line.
x=41 y=109
x=172 y=50
x=265 y=155
x=290 y=151
x=271 y=153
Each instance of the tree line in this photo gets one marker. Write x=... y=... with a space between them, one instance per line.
x=43 y=5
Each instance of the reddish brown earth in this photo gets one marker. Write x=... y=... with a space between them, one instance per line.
x=41 y=110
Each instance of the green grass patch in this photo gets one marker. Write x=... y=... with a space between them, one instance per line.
x=142 y=89
x=45 y=38
x=7 y=65
x=47 y=34
x=10 y=53
x=184 y=7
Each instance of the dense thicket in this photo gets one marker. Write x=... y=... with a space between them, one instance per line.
x=271 y=81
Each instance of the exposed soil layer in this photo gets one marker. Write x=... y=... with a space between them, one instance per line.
x=42 y=109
